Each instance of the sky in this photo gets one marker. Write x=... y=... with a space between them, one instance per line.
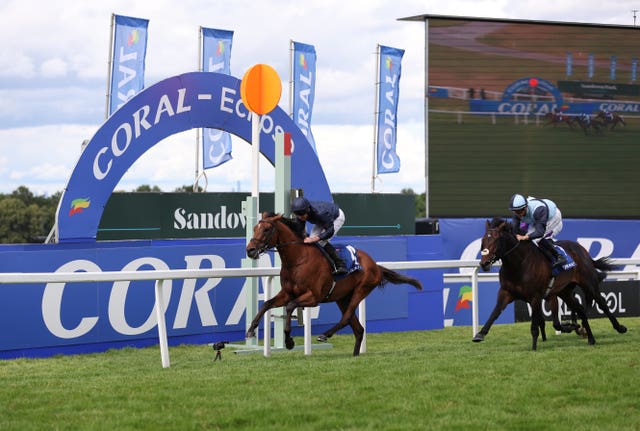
x=54 y=69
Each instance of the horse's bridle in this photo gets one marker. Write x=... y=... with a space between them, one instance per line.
x=264 y=246
x=495 y=257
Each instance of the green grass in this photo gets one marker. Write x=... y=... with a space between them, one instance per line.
x=436 y=380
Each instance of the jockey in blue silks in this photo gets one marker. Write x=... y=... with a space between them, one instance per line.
x=327 y=219
x=544 y=220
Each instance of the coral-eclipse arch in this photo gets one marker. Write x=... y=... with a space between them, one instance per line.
x=174 y=105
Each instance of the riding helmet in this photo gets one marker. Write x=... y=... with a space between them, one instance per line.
x=300 y=204
x=517 y=202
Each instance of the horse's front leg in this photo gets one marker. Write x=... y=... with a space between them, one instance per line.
x=277 y=301
x=504 y=299
x=288 y=340
x=552 y=303
x=537 y=320
x=305 y=300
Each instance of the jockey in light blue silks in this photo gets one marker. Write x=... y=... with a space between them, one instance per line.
x=543 y=219
x=584 y=118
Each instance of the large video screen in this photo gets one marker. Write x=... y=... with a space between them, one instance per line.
x=550 y=110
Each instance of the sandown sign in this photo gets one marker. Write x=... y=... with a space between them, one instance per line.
x=180 y=103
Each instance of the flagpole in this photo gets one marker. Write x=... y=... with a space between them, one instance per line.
x=291 y=59
x=375 y=120
x=199 y=69
x=426 y=118
x=110 y=66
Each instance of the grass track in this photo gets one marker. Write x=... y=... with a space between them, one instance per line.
x=436 y=380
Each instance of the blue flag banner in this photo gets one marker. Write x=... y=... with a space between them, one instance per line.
x=634 y=68
x=127 y=66
x=216 y=57
x=614 y=62
x=590 y=64
x=304 y=88
x=569 y=63
x=389 y=67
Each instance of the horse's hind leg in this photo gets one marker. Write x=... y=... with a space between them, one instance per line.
x=594 y=294
x=575 y=306
x=356 y=326
x=348 y=307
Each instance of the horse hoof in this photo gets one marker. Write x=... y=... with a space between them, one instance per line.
x=322 y=338
x=622 y=329
x=289 y=343
x=250 y=334
x=479 y=337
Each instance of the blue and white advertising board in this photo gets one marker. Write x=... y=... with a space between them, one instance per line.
x=52 y=318
x=461 y=240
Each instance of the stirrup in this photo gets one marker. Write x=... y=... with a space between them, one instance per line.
x=560 y=261
x=340 y=270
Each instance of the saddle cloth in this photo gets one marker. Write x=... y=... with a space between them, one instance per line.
x=348 y=254
x=570 y=263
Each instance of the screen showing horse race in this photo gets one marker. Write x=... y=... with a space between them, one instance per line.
x=540 y=108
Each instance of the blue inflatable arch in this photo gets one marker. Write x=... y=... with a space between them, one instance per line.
x=180 y=103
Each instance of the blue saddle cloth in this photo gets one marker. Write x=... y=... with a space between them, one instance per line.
x=348 y=254
x=570 y=263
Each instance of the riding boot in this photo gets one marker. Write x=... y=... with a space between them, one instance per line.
x=556 y=258
x=338 y=263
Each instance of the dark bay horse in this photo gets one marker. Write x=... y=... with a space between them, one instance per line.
x=306 y=279
x=586 y=122
x=610 y=121
x=526 y=275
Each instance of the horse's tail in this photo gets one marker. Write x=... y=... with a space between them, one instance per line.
x=397 y=278
x=603 y=265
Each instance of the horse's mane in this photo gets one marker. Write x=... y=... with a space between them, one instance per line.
x=497 y=221
x=298 y=228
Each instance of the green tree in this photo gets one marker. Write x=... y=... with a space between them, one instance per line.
x=187 y=188
x=147 y=188
x=421 y=205
x=25 y=217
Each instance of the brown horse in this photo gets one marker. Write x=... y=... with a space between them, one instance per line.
x=526 y=275
x=553 y=119
x=306 y=279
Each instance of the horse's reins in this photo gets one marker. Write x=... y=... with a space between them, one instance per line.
x=264 y=245
x=495 y=257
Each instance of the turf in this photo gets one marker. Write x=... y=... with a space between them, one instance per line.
x=436 y=380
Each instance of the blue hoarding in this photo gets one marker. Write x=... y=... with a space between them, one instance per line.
x=83 y=317
x=45 y=319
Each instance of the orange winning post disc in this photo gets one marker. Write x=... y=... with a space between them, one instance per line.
x=260 y=89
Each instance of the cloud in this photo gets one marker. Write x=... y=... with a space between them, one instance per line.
x=53 y=78
x=54 y=68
